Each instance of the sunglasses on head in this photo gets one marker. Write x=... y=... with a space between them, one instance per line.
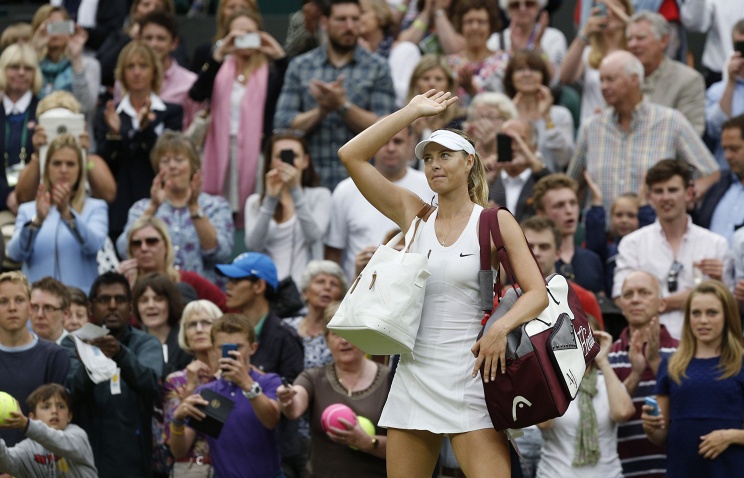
x=673 y=276
x=150 y=241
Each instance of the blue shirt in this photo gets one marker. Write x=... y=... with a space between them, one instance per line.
x=715 y=117
x=729 y=212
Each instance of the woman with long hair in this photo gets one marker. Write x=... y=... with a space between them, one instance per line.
x=436 y=390
x=243 y=83
x=289 y=219
x=60 y=233
x=222 y=13
x=700 y=390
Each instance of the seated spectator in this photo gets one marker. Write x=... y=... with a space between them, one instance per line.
x=289 y=219
x=486 y=116
x=725 y=99
x=26 y=362
x=98 y=178
x=583 y=442
x=477 y=68
x=526 y=82
x=150 y=249
x=50 y=307
x=247 y=445
x=351 y=380
x=60 y=233
x=224 y=10
x=200 y=225
x=433 y=72
x=79 y=307
x=672 y=249
x=629 y=212
x=698 y=389
x=117 y=413
x=194 y=338
x=432 y=28
x=243 y=85
x=304 y=31
x=598 y=37
x=48 y=429
x=528 y=30
x=20 y=32
x=619 y=145
x=127 y=132
x=666 y=82
x=375 y=27
x=555 y=198
x=61 y=60
x=635 y=358
x=514 y=181
x=20 y=82
x=720 y=210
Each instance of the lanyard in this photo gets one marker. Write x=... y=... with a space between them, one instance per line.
x=24 y=136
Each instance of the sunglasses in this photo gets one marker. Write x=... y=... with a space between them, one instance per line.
x=522 y=4
x=673 y=276
x=150 y=241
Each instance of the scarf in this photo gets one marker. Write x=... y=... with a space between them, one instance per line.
x=586 y=448
x=217 y=146
x=56 y=76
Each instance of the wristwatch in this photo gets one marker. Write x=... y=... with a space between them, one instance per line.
x=197 y=215
x=254 y=392
x=375 y=443
x=344 y=108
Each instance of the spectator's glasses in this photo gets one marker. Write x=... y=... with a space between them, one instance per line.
x=46 y=308
x=522 y=4
x=673 y=276
x=106 y=299
x=150 y=241
x=195 y=324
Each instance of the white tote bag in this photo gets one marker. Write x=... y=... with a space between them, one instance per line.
x=381 y=312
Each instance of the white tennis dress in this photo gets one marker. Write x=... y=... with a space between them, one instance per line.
x=433 y=388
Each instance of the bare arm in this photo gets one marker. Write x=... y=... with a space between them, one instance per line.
x=450 y=41
x=621 y=405
x=293 y=400
x=309 y=119
x=657 y=427
x=572 y=68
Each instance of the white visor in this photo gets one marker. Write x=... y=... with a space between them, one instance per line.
x=448 y=139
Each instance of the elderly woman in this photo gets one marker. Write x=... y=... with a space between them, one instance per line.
x=150 y=249
x=351 y=380
x=20 y=81
x=486 y=115
x=60 y=233
x=200 y=225
x=375 y=26
x=126 y=133
x=193 y=337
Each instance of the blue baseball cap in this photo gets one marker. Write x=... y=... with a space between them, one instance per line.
x=251 y=264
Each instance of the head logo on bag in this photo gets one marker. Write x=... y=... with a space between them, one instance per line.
x=520 y=402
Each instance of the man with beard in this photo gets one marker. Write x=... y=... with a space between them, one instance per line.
x=117 y=413
x=333 y=92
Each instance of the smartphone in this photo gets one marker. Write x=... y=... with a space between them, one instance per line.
x=602 y=9
x=285 y=382
x=503 y=147
x=739 y=46
x=249 y=40
x=287 y=156
x=652 y=402
x=226 y=348
x=66 y=27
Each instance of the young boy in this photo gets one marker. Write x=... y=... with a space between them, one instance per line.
x=54 y=447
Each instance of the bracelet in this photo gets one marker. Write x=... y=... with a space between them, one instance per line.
x=177 y=421
x=176 y=430
x=421 y=25
x=583 y=37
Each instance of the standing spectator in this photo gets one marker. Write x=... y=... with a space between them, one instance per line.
x=126 y=133
x=61 y=59
x=50 y=308
x=289 y=219
x=635 y=357
x=243 y=84
x=60 y=233
x=334 y=91
x=26 y=362
x=375 y=27
x=672 y=249
x=601 y=35
x=433 y=72
x=200 y=225
x=224 y=11
x=20 y=82
x=618 y=146
x=432 y=28
x=117 y=414
x=666 y=82
x=700 y=390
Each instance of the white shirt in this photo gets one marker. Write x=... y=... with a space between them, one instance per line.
x=86 y=14
x=156 y=104
x=513 y=187
x=19 y=106
x=648 y=249
x=737 y=245
x=716 y=18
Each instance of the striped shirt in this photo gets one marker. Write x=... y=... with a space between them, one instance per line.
x=640 y=457
x=617 y=159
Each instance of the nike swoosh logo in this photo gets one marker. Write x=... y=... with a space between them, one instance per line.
x=466 y=255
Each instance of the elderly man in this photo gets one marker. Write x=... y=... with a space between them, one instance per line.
x=617 y=146
x=635 y=358
x=666 y=82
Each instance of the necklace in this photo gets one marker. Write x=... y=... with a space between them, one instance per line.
x=443 y=242
x=350 y=388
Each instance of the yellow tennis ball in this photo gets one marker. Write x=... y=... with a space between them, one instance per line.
x=366 y=425
x=7 y=405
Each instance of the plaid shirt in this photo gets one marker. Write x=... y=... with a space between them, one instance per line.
x=617 y=160
x=368 y=85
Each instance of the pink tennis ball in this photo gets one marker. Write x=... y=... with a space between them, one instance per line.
x=332 y=413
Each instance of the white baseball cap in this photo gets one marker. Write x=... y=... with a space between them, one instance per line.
x=448 y=139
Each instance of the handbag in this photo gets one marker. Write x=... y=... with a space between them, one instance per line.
x=287 y=301
x=381 y=311
x=546 y=357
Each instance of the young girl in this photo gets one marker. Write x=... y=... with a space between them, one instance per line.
x=700 y=391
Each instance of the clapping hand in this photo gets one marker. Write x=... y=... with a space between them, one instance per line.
x=43 y=202
x=144 y=115
x=195 y=187
x=594 y=190
x=111 y=117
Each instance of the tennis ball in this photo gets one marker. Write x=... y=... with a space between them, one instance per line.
x=332 y=413
x=367 y=425
x=7 y=405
